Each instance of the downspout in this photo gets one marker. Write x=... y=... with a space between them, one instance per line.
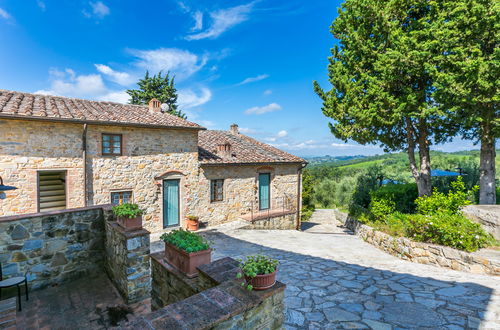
x=299 y=193
x=84 y=156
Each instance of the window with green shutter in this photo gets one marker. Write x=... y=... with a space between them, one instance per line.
x=216 y=190
x=111 y=144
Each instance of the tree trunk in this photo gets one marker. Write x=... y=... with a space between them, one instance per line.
x=487 y=189
x=423 y=175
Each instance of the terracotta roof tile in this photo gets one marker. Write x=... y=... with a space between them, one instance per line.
x=35 y=106
x=244 y=150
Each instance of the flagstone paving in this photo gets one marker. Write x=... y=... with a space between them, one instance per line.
x=336 y=280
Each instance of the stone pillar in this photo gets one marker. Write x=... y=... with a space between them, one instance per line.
x=128 y=261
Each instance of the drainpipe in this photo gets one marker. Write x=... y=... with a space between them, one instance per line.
x=299 y=193
x=84 y=156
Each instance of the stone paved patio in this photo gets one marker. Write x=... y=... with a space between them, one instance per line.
x=336 y=280
x=80 y=304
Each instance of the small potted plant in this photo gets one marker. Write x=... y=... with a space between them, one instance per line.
x=192 y=223
x=259 y=272
x=186 y=251
x=128 y=216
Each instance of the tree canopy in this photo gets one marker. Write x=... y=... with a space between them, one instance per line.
x=159 y=87
x=382 y=83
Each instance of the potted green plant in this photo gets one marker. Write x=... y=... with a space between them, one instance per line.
x=192 y=223
x=186 y=251
x=259 y=272
x=128 y=216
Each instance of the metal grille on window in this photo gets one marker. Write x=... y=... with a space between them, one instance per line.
x=120 y=197
x=217 y=190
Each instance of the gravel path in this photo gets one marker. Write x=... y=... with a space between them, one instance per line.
x=336 y=280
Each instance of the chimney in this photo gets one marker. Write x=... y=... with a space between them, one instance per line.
x=234 y=129
x=224 y=149
x=155 y=105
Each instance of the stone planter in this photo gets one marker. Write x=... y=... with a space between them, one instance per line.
x=130 y=224
x=187 y=262
x=262 y=282
x=192 y=224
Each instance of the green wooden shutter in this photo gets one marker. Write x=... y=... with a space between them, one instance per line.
x=264 y=190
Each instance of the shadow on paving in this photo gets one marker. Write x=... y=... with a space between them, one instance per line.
x=323 y=293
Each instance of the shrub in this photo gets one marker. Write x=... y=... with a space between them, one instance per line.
x=306 y=213
x=403 y=195
x=257 y=265
x=381 y=208
x=127 y=210
x=439 y=203
x=185 y=240
x=448 y=229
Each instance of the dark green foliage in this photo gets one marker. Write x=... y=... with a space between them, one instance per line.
x=127 y=210
x=403 y=195
x=159 y=87
x=307 y=195
x=185 y=240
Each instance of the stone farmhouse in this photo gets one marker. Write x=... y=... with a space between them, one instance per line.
x=63 y=153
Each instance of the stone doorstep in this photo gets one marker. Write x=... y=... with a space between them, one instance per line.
x=262 y=215
x=8 y=316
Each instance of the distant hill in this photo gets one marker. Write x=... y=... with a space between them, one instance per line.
x=317 y=160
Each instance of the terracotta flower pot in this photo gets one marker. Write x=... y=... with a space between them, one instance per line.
x=192 y=224
x=187 y=262
x=262 y=282
x=130 y=224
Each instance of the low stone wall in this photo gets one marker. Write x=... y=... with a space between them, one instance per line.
x=280 y=222
x=128 y=261
x=487 y=215
x=222 y=303
x=53 y=247
x=419 y=252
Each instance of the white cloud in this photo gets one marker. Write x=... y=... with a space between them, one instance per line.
x=99 y=10
x=180 y=62
x=198 y=21
x=189 y=99
x=223 y=20
x=67 y=83
x=282 y=133
x=254 y=79
x=247 y=130
x=270 y=139
x=122 y=78
x=265 y=109
x=206 y=123
x=4 y=14
x=343 y=145
x=268 y=92
x=41 y=5
x=306 y=145
x=119 y=97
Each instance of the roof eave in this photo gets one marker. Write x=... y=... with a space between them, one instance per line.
x=97 y=122
x=254 y=163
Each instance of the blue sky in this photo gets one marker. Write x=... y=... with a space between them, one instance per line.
x=251 y=63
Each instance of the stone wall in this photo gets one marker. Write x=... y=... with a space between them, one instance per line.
x=27 y=147
x=487 y=215
x=241 y=191
x=419 y=252
x=128 y=262
x=222 y=303
x=275 y=222
x=147 y=154
x=53 y=247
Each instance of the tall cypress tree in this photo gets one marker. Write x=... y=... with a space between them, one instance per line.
x=467 y=77
x=159 y=87
x=381 y=77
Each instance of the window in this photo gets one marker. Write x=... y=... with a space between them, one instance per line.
x=120 y=197
x=216 y=190
x=112 y=144
x=51 y=191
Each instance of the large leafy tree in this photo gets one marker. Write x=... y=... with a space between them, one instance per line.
x=381 y=77
x=159 y=87
x=467 y=77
